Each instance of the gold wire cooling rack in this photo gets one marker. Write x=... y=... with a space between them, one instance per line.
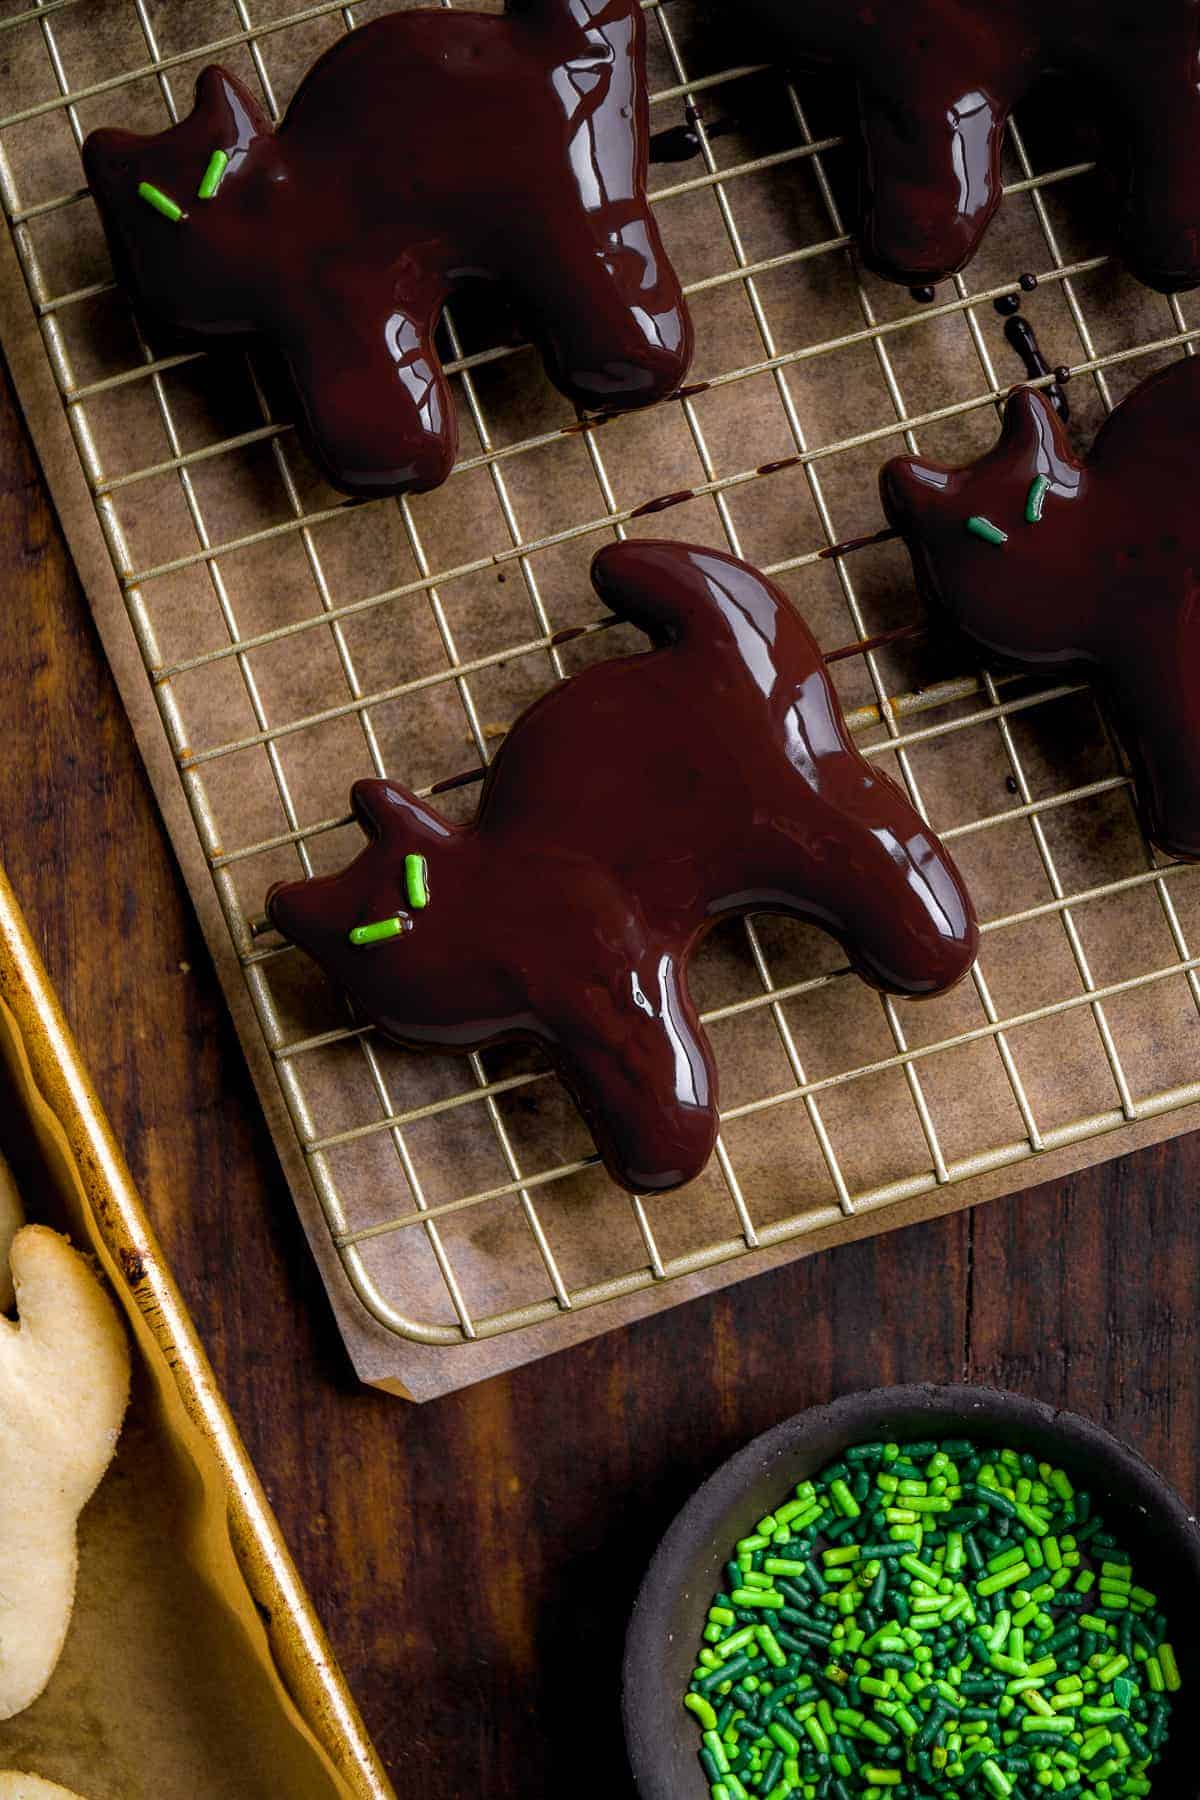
x=293 y=640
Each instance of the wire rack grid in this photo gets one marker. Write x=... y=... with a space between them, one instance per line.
x=291 y=637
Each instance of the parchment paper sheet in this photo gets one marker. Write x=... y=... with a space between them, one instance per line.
x=880 y=350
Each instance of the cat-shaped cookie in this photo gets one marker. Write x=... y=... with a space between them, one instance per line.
x=626 y=812
x=937 y=80
x=424 y=149
x=64 y=1384
x=1047 y=559
x=15 y=1786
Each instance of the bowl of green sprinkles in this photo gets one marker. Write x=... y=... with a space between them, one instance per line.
x=921 y=1593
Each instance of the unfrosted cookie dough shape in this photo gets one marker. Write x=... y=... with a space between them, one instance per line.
x=1046 y=559
x=16 y=1786
x=424 y=148
x=937 y=80
x=12 y=1217
x=625 y=813
x=64 y=1384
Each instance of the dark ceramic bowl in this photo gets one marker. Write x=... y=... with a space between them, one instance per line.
x=668 y=1620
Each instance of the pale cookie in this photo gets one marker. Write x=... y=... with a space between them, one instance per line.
x=64 y=1382
x=15 y=1786
x=12 y=1217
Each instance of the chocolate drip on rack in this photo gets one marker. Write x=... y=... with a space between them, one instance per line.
x=1023 y=339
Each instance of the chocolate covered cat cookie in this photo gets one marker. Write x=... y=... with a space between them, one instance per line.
x=626 y=812
x=1049 y=560
x=937 y=80
x=424 y=149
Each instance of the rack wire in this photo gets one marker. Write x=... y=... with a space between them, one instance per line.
x=294 y=639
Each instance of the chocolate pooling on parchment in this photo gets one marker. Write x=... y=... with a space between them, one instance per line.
x=626 y=812
x=425 y=149
x=937 y=80
x=1046 y=559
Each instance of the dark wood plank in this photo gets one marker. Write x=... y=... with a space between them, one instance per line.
x=475 y=1560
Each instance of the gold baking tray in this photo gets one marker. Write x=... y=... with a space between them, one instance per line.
x=195 y=1667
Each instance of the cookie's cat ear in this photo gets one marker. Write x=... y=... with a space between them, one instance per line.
x=228 y=108
x=1032 y=430
x=911 y=489
x=384 y=809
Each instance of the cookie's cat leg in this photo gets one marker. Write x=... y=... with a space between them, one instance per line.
x=378 y=407
x=1154 y=134
x=931 y=175
x=641 y=1071
x=1152 y=682
x=880 y=882
x=607 y=312
x=595 y=285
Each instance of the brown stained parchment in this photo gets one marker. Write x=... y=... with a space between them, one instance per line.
x=800 y=1169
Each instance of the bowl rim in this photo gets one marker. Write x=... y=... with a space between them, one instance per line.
x=705 y=1511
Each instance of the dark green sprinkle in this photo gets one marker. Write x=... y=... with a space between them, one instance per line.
x=1035 y=499
x=983 y=528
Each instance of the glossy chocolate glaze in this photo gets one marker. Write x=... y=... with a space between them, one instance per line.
x=1107 y=577
x=937 y=80
x=625 y=813
x=425 y=149
x=1022 y=338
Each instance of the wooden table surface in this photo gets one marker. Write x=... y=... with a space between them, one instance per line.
x=474 y=1560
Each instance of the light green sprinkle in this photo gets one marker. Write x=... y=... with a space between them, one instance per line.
x=213 y=175
x=162 y=203
x=700 y=1706
x=1035 y=498
x=416 y=880
x=983 y=528
x=377 y=932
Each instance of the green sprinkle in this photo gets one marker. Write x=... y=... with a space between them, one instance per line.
x=700 y=1706
x=161 y=202
x=416 y=880
x=378 y=932
x=1035 y=499
x=983 y=528
x=846 y=1502
x=213 y=175
x=943 y=1664
x=1005 y=1579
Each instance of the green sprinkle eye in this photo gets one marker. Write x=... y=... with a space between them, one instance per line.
x=983 y=528
x=378 y=931
x=162 y=203
x=1035 y=498
x=416 y=880
x=213 y=175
